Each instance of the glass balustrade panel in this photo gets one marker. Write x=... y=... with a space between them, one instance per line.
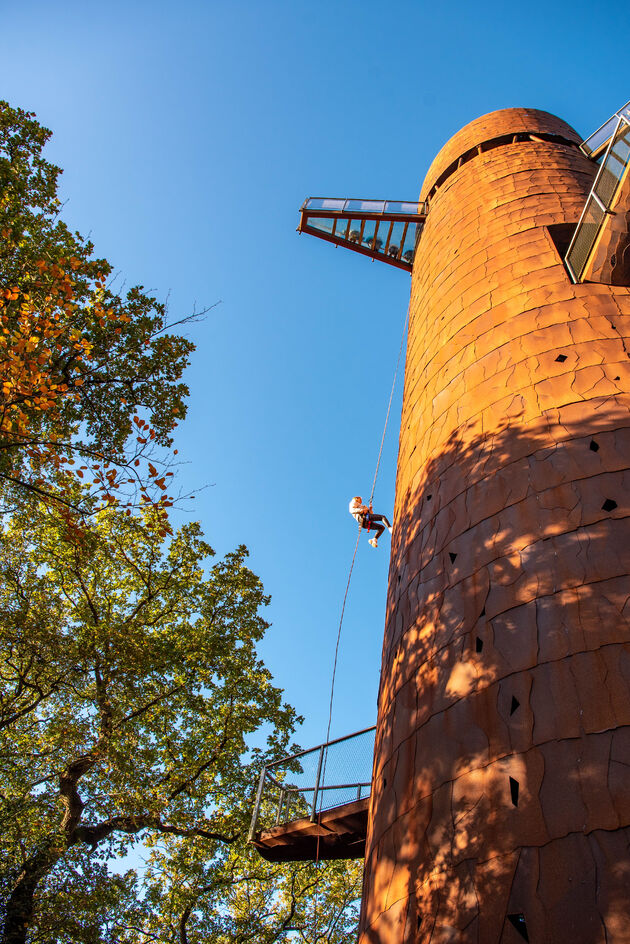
x=396 y=206
x=365 y=206
x=325 y=203
x=322 y=223
x=409 y=245
x=369 y=231
x=342 y=228
x=599 y=137
x=354 y=232
x=395 y=240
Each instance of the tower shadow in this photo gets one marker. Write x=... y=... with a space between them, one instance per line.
x=503 y=740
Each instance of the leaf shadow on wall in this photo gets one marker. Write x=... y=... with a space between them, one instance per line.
x=505 y=691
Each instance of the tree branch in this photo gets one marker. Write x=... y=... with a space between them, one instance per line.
x=42 y=492
x=132 y=825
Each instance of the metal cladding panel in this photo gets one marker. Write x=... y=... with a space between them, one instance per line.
x=500 y=803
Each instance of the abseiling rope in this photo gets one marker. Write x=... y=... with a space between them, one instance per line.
x=343 y=607
x=378 y=464
x=389 y=406
x=330 y=710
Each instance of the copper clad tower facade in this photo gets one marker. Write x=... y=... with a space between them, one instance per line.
x=500 y=806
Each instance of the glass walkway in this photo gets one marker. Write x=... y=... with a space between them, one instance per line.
x=597 y=217
x=387 y=230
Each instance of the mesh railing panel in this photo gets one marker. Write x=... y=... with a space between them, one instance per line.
x=585 y=237
x=323 y=778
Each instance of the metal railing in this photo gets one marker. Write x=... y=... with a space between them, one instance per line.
x=373 y=209
x=600 y=199
x=322 y=778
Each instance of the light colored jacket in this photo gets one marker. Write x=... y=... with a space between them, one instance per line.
x=357 y=509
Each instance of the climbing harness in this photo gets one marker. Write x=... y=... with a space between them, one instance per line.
x=343 y=607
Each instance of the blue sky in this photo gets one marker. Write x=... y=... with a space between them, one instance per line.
x=190 y=134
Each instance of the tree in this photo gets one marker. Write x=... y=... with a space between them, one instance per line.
x=244 y=899
x=91 y=380
x=133 y=705
x=130 y=689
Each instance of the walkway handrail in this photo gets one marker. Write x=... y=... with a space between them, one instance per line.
x=318 y=747
x=280 y=791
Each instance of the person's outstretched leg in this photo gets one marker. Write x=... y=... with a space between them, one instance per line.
x=384 y=519
x=378 y=528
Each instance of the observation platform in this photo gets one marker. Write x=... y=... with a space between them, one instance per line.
x=341 y=833
x=387 y=230
x=314 y=804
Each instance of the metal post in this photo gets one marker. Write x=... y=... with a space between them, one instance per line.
x=283 y=793
x=261 y=784
x=316 y=790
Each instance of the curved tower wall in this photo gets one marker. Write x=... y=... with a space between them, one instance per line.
x=501 y=793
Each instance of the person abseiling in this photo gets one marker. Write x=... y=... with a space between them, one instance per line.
x=367 y=519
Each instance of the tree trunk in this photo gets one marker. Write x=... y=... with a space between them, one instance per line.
x=20 y=905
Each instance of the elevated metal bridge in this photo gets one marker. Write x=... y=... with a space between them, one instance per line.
x=314 y=803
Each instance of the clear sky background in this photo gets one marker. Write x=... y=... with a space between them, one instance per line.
x=190 y=133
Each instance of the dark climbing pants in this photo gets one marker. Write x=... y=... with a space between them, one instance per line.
x=370 y=522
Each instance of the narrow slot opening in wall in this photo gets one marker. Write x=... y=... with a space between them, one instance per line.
x=561 y=236
x=500 y=141
x=593 y=446
x=478 y=644
x=514 y=704
x=453 y=556
x=561 y=358
x=514 y=791
x=518 y=922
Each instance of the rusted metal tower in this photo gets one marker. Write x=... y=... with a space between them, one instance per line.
x=501 y=790
x=500 y=796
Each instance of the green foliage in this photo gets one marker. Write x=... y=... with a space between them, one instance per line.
x=130 y=687
x=242 y=898
x=79 y=359
x=135 y=712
